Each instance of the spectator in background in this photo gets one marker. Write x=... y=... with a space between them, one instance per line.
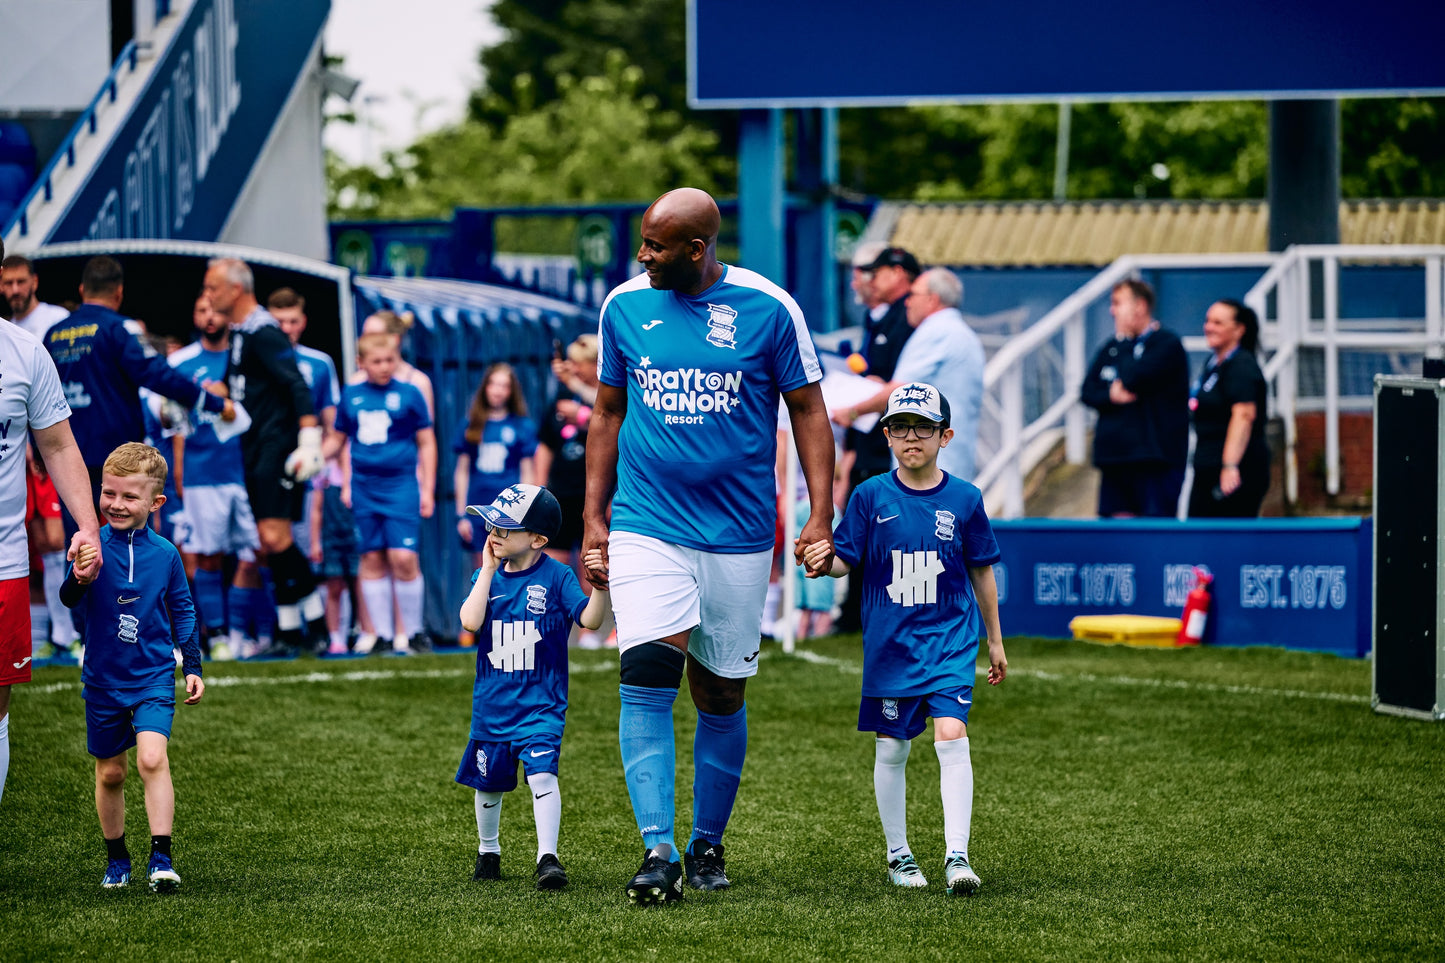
x=103 y=366
x=263 y=376
x=319 y=373
x=19 y=282
x=50 y=621
x=494 y=444
x=561 y=457
x=882 y=283
x=943 y=351
x=1231 y=457
x=1139 y=385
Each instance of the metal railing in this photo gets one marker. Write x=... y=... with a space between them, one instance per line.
x=1054 y=371
x=1291 y=285
x=87 y=125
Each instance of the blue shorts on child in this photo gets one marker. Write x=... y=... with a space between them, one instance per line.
x=114 y=716
x=906 y=717
x=492 y=766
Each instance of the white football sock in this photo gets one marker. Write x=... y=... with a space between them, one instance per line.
x=410 y=599
x=4 y=751
x=546 y=811
x=489 y=821
x=62 y=627
x=377 y=593
x=955 y=778
x=890 y=784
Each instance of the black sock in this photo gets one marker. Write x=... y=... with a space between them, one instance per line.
x=161 y=846
x=115 y=848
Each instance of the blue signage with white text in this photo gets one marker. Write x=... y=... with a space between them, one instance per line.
x=1297 y=583
x=181 y=159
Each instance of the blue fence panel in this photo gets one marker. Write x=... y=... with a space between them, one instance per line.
x=1297 y=583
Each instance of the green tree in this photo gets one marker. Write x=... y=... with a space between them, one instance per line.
x=602 y=139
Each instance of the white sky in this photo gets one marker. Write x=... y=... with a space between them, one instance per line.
x=410 y=56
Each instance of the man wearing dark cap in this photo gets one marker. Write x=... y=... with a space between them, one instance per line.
x=889 y=275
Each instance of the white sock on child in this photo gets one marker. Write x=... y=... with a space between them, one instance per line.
x=489 y=821
x=955 y=779
x=410 y=599
x=890 y=784
x=377 y=593
x=62 y=628
x=546 y=811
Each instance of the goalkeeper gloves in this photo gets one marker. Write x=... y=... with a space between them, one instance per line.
x=306 y=461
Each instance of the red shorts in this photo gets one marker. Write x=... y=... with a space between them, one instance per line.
x=14 y=631
x=42 y=502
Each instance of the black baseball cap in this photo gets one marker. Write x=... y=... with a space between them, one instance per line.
x=896 y=257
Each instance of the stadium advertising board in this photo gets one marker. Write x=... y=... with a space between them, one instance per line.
x=819 y=53
x=1298 y=583
x=182 y=157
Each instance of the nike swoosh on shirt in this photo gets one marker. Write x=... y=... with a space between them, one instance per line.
x=495 y=597
x=881 y=519
x=544 y=752
x=122 y=600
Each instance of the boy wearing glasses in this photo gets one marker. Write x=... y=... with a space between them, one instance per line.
x=928 y=595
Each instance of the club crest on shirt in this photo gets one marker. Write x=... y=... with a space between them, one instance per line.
x=393 y=401
x=890 y=709
x=721 y=329
x=537 y=599
x=943 y=524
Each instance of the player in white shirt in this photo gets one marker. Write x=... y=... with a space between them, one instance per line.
x=31 y=400
x=695 y=355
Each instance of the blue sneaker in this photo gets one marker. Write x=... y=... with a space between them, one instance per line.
x=117 y=874
x=163 y=878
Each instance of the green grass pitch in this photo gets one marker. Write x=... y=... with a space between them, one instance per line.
x=1131 y=804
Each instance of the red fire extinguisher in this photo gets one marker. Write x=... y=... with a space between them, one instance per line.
x=1196 y=610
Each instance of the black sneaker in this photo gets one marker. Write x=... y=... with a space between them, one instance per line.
x=658 y=881
x=489 y=866
x=550 y=874
x=703 y=862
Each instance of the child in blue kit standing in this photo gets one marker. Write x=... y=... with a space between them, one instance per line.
x=137 y=609
x=522 y=605
x=389 y=466
x=928 y=595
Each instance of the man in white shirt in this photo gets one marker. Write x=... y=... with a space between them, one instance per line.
x=19 y=282
x=945 y=352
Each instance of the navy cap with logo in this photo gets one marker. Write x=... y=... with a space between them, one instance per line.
x=896 y=257
x=529 y=507
x=917 y=398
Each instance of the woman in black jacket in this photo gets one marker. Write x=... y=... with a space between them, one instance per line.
x=1231 y=458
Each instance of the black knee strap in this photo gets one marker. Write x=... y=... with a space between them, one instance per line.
x=653 y=665
x=292 y=576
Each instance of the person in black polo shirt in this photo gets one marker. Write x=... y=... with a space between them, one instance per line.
x=1139 y=385
x=1231 y=457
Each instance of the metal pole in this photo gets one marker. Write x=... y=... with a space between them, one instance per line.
x=1013 y=429
x=1061 y=151
x=1434 y=325
x=1332 y=374
x=1075 y=365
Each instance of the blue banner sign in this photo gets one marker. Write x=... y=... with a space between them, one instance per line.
x=180 y=160
x=819 y=53
x=1298 y=583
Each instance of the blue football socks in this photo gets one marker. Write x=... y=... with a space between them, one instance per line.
x=718 y=751
x=649 y=761
x=211 y=598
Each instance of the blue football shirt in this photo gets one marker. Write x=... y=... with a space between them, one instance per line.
x=381 y=422
x=496 y=461
x=319 y=372
x=521 y=684
x=921 y=623
x=209 y=461
x=703 y=374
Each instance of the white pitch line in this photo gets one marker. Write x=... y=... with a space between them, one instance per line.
x=806 y=655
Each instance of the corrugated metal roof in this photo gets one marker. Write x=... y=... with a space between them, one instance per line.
x=1038 y=233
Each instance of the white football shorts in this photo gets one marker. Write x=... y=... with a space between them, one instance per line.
x=660 y=588
x=219 y=520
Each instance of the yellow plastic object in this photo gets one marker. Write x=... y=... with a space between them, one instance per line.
x=1126 y=629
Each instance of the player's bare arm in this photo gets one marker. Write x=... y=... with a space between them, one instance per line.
x=602 y=432
x=814 y=438
x=985 y=590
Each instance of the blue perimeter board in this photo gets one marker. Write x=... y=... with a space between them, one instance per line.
x=1297 y=583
